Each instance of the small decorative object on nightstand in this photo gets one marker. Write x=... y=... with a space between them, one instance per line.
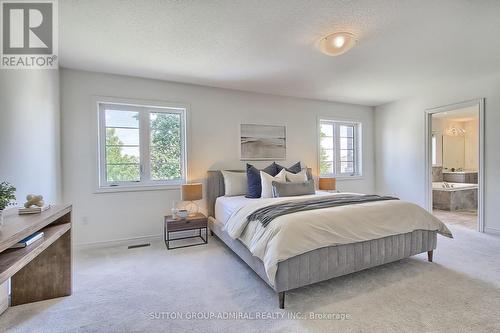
x=327 y=184
x=193 y=222
x=192 y=192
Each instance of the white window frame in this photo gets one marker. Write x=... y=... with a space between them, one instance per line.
x=357 y=144
x=144 y=109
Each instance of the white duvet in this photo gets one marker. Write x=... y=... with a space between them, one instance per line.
x=293 y=234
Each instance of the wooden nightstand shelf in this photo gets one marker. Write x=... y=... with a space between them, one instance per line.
x=196 y=222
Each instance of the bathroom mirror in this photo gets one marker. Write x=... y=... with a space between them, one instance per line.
x=453 y=152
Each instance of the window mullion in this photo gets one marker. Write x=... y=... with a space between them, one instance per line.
x=144 y=130
x=183 y=140
x=358 y=151
x=102 y=145
x=355 y=150
x=336 y=135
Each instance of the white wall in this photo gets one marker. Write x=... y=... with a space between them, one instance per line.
x=213 y=131
x=30 y=132
x=399 y=142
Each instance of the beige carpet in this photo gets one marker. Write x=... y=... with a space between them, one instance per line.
x=120 y=290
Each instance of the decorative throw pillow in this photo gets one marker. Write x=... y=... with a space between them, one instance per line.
x=267 y=183
x=254 y=187
x=235 y=183
x=292 y=189
x=298 y=177
x=293 y=169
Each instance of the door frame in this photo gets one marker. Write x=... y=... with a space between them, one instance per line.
x=428 y=154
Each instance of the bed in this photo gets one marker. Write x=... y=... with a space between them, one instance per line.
x=320 y=262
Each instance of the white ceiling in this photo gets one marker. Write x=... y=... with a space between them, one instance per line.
x=268 y=45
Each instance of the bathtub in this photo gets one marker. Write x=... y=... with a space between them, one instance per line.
x=453 y=186
x=454 y=196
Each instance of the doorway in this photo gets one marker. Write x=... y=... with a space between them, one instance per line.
x=455 y=163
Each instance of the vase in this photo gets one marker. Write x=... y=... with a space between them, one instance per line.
x=1 y=218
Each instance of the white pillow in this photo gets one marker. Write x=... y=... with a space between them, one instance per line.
x=266 y=181
x=235 y=183
x=298 y=177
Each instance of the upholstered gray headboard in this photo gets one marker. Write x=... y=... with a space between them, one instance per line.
x=215 y=188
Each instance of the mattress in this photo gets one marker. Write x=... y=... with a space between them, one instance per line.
x=226 y=206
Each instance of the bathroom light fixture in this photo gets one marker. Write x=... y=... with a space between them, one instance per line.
x=455 y=131
x=337 y=43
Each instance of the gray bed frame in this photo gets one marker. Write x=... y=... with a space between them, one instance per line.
x=323 y=263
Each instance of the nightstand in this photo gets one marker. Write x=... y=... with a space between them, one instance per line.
x=195 y=222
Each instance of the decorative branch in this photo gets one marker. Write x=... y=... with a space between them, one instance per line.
x=7 y=194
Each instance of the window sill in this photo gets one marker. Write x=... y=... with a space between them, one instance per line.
x=136 y=188
x=349 y=177
x=357 y=177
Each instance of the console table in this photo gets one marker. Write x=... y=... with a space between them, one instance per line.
x=41 y=270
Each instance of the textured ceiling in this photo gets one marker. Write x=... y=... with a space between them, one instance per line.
x=269 y=46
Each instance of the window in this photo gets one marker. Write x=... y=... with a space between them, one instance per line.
x=141 y=145
x=340 y=148
x=434 y=149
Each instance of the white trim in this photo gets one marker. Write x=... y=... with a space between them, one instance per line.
x=342 y=178
x=138 y=105
x=492 y=231
x=428 y=154
x=136 y=188
x=139 y=102
x=116 y=242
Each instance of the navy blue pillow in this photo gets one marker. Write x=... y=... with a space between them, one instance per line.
x=296 y=168
x=254 y=187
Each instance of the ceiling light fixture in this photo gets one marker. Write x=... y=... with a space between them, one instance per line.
x=455 y=131
x=337 y=43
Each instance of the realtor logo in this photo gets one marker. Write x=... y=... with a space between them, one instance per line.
x=28 y=34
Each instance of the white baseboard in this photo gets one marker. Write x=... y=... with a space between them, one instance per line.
x=117 y=242
x=492 y=231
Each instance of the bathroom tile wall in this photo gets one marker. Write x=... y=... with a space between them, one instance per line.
x=437 y=174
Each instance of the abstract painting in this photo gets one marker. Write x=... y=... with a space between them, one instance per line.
x=263 y=142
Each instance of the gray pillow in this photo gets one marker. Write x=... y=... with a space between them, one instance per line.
x=292 y=189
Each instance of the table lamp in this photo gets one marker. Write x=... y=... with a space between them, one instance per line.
x=327 y=184
x=192 y=192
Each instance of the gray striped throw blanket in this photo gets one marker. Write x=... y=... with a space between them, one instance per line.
x=266 y=214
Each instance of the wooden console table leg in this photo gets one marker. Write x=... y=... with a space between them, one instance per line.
x=45 y=277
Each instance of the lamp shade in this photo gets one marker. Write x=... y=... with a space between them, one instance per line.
x=191 y=192
x=327 y=184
